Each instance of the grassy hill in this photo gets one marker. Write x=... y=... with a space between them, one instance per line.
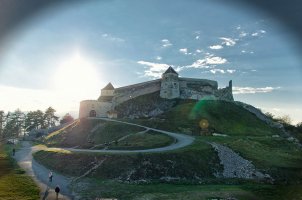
x=221 y=117
x=14 y=183
x=187 y=168
x=100 y=134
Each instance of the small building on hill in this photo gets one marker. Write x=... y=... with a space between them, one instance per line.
x=170 y=86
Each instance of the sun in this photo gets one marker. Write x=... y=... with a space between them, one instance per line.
x=76 y=76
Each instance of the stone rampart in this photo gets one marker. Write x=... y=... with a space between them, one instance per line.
x=197 y=88
x=100 y=108
x=126 y=93
x=138 y=86
x=225 y=94
x=194 y=83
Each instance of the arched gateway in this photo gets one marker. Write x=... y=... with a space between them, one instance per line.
x=92 y=113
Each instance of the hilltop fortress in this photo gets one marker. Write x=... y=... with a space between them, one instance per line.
x=170 y=86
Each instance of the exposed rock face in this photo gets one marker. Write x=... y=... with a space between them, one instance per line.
x=259 y=114
x=234 y=166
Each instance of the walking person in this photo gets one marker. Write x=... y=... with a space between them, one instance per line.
x=57 y=190
x=50 y=175
x=14 y=151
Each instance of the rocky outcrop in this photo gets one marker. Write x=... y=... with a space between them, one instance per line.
x=259 y=114
x=234 y=166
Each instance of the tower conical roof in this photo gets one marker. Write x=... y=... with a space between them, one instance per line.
x=109 y=86
x=170 y=70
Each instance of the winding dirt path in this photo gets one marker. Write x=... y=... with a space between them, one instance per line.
x=181 y=141
x=40 y=174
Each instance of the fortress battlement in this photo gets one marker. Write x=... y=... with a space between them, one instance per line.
x=170 y=86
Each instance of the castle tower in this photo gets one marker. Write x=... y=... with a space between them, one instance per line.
x=107 y=90
x=169 y=88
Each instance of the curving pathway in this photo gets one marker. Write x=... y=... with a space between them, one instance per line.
x=40 y=174
x=181 y=141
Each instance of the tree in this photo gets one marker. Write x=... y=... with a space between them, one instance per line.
x=49 y=117
x=66 y=118
x=38 y=119
x=29 y=123
x=285 y=120
x=2 y=123
x=270 y=115
x=299 y=127
x=14 y=124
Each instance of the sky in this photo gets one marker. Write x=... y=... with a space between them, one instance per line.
x=67 y=53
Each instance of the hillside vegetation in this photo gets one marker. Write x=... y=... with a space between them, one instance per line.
x=14 y=183
x=222 y=117
x=187 y=168
x=99 y=134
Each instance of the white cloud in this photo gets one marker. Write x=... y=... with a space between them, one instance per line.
x=197 y=37
x=214 y=71
x=184 y=51
x=228 y=41
x=216 y=47
x=158 y=58
x=155 y=69
x=243 y=34
x=201 y=63
x=112 y=38
x=231 y=71
x=198 y=51
x=276 y=109
x=252 y=90
x=166 y=43
x=258 y=33
x=215 y=60
x=207 y=62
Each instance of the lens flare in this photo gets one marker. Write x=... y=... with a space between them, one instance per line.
x=203 y=124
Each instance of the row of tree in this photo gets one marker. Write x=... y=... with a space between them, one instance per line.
x=15 y=124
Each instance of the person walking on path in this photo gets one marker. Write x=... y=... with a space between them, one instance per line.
x=50 y=175
x=14 y=151
x=57 y=190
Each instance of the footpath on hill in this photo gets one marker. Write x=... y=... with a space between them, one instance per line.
x=181 y=141
x=40 y=174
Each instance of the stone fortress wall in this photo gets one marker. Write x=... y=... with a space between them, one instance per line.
x=170 y=86
x=126 y=93
x=88 y=107
x=196 y=88
x=225 y=94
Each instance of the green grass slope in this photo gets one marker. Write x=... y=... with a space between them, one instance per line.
x=14 y=183
x=193 y=165
x=196 y=163
x=81 y=134
x=221 y=116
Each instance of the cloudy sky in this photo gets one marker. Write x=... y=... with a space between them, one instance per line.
x=67 y=53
